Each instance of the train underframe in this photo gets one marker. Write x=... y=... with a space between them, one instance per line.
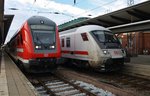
x=111 y=64
x=40 y=65
x=108 y=65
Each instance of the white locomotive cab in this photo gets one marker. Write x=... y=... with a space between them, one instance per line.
x=93 y=45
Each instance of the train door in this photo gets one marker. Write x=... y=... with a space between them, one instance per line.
x=81 y=46
x=70 y=45
x=67 y=45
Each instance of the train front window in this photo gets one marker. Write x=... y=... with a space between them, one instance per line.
x=106 y=39
x=99 y=35
x=44 y=37
x=105 y=36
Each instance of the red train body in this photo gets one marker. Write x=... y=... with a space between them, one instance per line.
x=36 y=46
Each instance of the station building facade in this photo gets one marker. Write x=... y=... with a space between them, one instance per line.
x=136 y=42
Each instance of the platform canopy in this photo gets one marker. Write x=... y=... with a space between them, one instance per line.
x=1 y=19
x=4 y=27
x=5 y=22
x=134 y=18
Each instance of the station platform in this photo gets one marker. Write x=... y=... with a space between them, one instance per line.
x=141 y=59
x=139 y=66
x=14 y=83
x=12 y=80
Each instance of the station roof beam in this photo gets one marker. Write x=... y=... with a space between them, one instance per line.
x=108 y=23
x=142 y=13
x=120 y=19
x=139 y=14
x=123 y=20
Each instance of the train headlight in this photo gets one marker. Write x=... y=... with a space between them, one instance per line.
x=52 y=47
x=105 y=52
x=38 y=47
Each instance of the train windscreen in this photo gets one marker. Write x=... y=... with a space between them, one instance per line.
x=44 y=37
x=107 y=38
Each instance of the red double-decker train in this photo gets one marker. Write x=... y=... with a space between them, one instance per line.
x=36 y=45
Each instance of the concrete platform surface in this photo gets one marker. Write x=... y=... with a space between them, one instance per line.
x=139 y=66
x=12 y=80
x=141 y=59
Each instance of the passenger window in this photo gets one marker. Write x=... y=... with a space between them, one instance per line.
x=68 y=42
x=84 y=36
x=62 y=42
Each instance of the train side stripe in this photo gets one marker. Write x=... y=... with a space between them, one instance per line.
x=65 y=51
x=75 y=52
x=81 y=52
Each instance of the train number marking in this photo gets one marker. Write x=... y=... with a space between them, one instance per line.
x=116 y=52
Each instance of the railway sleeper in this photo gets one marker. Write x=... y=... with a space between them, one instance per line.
x=80 y=94
x=70 y=92
x=58 y=86
x=54 y=83
x=63 y=89
x=69 y=89
x=39 y=88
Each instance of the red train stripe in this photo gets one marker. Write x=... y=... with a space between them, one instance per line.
x=65 y=51
x=81 y=52
x=75 y=52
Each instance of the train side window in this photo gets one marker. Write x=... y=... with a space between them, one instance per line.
x=62 y=42
x=68 y=42
x=84 y=36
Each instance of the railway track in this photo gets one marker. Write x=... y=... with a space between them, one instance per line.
x=53 y=85
x=137 y=86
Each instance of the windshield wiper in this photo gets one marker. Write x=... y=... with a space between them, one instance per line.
x=37 y=38
x=53 y=43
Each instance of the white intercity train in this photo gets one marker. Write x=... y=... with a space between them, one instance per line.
x=92 y=46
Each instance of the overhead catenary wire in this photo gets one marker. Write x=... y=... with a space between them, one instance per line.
x=92 y=9
x=95 y=8
x=75 y=2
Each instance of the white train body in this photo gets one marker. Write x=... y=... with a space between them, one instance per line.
x=92 y=45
